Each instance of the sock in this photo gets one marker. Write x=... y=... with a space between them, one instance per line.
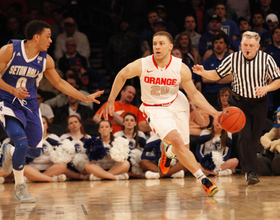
x=152 y=175
x=18 y=174
x=123 y=176
x=199 y=174
x=169 y=152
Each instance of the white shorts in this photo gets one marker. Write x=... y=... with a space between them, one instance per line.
x=163 y=120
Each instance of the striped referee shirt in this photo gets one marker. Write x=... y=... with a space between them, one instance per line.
x=248 y=74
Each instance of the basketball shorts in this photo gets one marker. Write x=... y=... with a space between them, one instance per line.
x=163 y=120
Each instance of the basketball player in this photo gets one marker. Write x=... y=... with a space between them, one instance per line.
x=22 y=64
x=166 y=108
x=251 y=70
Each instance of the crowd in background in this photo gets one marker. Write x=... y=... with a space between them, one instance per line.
x=204 y=32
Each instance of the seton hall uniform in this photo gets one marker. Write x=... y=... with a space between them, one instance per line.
x=165 y=107
x=21 y=71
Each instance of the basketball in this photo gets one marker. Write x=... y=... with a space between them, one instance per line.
x=232 y=119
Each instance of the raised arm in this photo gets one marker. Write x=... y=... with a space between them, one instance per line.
x=194 y=94
x=64 y=86
x=209 y=74
x=129 y=71
x=6 y=53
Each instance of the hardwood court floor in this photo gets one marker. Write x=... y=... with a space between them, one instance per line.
x=145 y=199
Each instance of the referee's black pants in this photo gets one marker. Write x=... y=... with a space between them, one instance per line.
x=249 y=137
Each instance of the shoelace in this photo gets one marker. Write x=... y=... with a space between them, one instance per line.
x=23 y=191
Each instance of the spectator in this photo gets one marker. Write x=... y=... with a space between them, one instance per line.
x=73 y=107
x=184 y=42
x=77 y=135
x=170 y=26
x=241 y=7
x=107 y=168
x=61 y=99
x=42 y=168
x=218 y=140
x=199 y=10
x=122 y=48
x=150 y=158
x=205 y=42
x=137 y=141
x=83 y=46
x=223 y=95
x=265 y=8
x=158 y=25
x=211 y=88
x=257 y=23
x=70 y=55
x=272 y=23
x=45 y=109
x=57 y=27
x=243 y=26
x=88 y=76
x=15 y=30
x=47 y=12
x=228 y=26
x=122 y=107
x=190 y=25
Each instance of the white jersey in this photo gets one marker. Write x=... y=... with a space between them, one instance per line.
x=160 y=85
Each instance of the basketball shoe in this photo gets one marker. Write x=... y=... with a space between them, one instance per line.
x=22 y=194
x=210 y=188
x=7 y=158
x=251 y=178
x=164 y=162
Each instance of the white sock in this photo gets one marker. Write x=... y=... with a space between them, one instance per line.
x=179 y=174
x=225 y=172
x=59 y=178
x=152 y=175
x=2 y=179
x=169 y=152
x=18 y=174
x=94 y=178
x=199 y=174
x=123 y=176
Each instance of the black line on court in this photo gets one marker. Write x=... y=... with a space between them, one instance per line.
x=84 y=210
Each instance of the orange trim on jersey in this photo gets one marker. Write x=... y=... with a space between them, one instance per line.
x=154 y=61
x=163 y=104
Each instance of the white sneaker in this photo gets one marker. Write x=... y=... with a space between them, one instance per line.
x=179 y=174
x=225 y=172
x=59 y=178
x=2 y=179
x=94 y=178
x=22 y=194
x=152 y=175
x=7 y=158
x=123 y=176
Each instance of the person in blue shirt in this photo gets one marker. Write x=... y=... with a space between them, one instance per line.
x=211 y=88
x=243 y=26
x=22 y=64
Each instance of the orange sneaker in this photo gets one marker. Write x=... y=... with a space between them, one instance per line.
x=210 y=188
x=164 y=162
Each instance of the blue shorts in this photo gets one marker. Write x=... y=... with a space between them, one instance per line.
x=28 y=114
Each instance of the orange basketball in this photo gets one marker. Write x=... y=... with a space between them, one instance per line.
x=232 y=119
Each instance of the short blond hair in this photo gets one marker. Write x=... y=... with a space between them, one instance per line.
x=250 y=35
x=164 y=33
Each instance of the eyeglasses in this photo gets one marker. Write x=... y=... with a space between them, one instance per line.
x=224 y=95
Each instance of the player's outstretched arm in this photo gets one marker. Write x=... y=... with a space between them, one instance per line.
x=6 y=53
x=65 y=87
x=209 y=74
x=129 y=71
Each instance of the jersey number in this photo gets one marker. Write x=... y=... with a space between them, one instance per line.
x=157 y=90
x=21 y=82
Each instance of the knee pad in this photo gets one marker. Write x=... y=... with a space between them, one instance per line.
x=19 y=156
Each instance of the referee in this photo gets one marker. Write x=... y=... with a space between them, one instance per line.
x=251 y=69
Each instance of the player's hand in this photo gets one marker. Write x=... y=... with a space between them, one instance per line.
x=20 y=92
x=91 y=98
x=198 y=69
x=261 y=91
x=108 y=109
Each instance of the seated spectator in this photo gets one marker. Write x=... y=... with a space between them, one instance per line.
x=205 y=41
x=107 y=168
x=77 y=135
x=57 y=27
x=223 y=95
x=88 y=76
x=45 y=109
x=243 y=25
x=64 y=63
x=122 y=107
x=176 y=52
x=42 y=168
x=61 y=99
x=81 y=39
x=258 y=23
x=184 y=43
x=137 y=141
x=241 y=8
x=150 y=158
x=72 y=108
x=211 y=88
x=216 y=140
x=272 y=23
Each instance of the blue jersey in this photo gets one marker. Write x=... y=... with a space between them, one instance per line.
x=21 y=71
